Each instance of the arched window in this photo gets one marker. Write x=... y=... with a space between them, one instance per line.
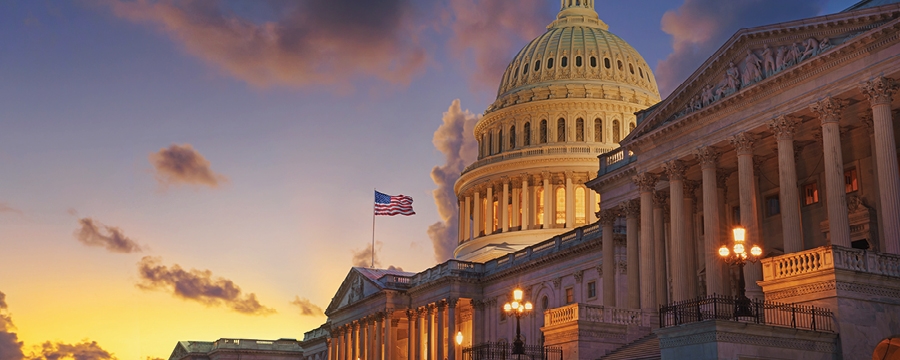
x=598 y=130
x=564 y=61
x=619 y=64
x=543 y=139
x=616 y=131
x=525 y=69
x=561 y=130
x=490 y=148
x=641 y=71
x=630 y=127
x=561 y=206
x=631 y=68
x=550 y=63
x=606 y=63
x=578 y=61
x=500 y=142
x=593 y=61
x=579 y=129
x=580 y=219
x=539 y=205
x=545 y=303
x=512 y=137
x=537 y=65
x=526 y=137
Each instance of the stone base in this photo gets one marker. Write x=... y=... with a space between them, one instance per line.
x=590 y=340
x=720 y=339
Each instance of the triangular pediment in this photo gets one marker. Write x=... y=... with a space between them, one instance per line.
x=754 y=57
x=355 y=287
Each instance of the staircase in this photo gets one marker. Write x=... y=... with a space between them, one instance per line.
x=646 y=347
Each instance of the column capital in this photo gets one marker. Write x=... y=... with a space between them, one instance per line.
x=880 y=90
x=411 y=314
x=579 y=276
x=675 y=169
x=646 y=181
x=708 y=156
x=722 y=176
x=430 y=308
x=868 y=120
x=660 y=199
x=631 y=208
x=828 y=109
x=421 y=311
x=690 y=186
x=478 y=304
x=743 y=143
x=783 y=127
x=451 y=302
x=608 y=216
x=441 y=305
x=504 y=180
x=379 y=316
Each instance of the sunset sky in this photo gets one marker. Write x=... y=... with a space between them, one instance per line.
x=193 y=170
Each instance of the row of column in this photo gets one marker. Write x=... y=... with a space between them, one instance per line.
x=518 y=192
x=433 y=344
x=368 y=338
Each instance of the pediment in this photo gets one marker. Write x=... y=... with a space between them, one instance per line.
x=755 y=56
x=354 y=288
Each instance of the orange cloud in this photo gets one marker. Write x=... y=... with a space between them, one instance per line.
x=453 y=138
x=491 y=31
x=199 y=286
x=181 y=164
x=114 y=240
x=83 y=351
x=312 y=42
x=307 y=308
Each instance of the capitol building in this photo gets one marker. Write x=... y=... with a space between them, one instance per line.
x=612 y=210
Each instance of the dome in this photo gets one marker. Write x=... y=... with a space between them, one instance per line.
x=577 y=49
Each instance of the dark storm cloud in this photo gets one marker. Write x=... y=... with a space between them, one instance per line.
x=83 y=351
x=199 y=286
x=311 y=42
x=363 y=257
x=113 y=240
x=181 y=164
x=491 y=31
x=10 y=346
x=700 y=27
x=307 y=308
x=453 y=139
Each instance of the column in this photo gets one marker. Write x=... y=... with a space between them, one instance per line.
x=646 y=182
x=783 y=127
x=591 y=205
x=429 y=333
x=489 y=211
x=632 y=210
x=371 y=345
x=378 y=343
x=548 y=201
x=724 y=230
x=476 y=214
x=607 y=220
x=451 y=328
x=526 y=208
x=411 y=334
x=743 y=146
x=504 y=211
x=879 y=215
x=363 y=344
x=675 y=169
x=460 y=223
x=478 y=330
x=354 y=340
x=466 y=220
x=339 y=345
x=829 y=112
x=690 y=240
x=439 y=342
x=659 y=248
x=570 y=201
x=420 y=342
x=389 y=334
x=708 y=156
x=879 y=92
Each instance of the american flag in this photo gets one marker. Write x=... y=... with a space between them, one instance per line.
x=393 y=205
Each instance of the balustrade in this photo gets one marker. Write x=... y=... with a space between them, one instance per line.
x=591 y=313
x=830 y=257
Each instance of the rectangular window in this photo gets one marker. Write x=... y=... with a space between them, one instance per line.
x=851 y=183
x=810 y=193
x=570 y=295
x=592 y=289
x=773 y=206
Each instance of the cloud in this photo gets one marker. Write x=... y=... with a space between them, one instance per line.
x=6 y=208
x=363 y=257
x=307 y=308
x=181 y=164
x=83 y=351
x=10 y=346
x=454 y=139
x=700 y=27
x=490 y=32
x=310 y=42
x=199 y=286
x=114 y=240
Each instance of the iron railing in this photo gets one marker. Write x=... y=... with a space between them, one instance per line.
x=502 y=350
x=719 y=307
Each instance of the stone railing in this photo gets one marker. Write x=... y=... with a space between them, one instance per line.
x=828 y=258
x=537 y=150
x=253 y=344
x=615 y=159
x=591 y=313
x=559 y=242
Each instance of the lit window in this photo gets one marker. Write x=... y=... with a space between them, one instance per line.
x=539 y=199
x=811 y=193
x=773 y=206
x=570 y=295
x=561 y=206
x=592 y=289
x=850 y=182
x=496 y=220
x=579 y=206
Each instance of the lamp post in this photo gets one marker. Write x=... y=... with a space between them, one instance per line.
x=738 y=255
x=517 y=308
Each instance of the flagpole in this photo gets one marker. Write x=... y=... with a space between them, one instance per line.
x=373 y=232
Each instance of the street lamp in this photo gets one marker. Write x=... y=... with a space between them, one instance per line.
x=738 y=255
x=459 y=338
x=517 y=308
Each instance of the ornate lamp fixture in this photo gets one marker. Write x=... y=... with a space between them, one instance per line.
x=738 y=255
x=518 y=308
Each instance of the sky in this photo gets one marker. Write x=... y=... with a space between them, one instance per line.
x=195 y=170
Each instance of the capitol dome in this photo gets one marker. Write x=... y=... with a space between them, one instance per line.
x=567 y=97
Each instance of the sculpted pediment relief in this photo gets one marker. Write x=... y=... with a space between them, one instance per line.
x=354 y=288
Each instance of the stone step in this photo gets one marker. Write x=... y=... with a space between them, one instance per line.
x=644 y=348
